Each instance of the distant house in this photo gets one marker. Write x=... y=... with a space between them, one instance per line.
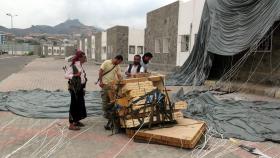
x=61 y=49
x=20 y=48
x=85 y=44
x=171 y=31
x=2 y=38
x=117 y=40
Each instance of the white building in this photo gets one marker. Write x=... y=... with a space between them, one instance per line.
x=57 y=50
x=93 y=51
x=171 y=31
x=135 y=42
x=117 y=40
x=104 y=45
x=188 y=25
x=2 y=38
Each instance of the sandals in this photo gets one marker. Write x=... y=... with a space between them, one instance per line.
x=79 y=124
x=73 y=127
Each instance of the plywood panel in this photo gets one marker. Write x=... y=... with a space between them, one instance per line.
x=185 y=134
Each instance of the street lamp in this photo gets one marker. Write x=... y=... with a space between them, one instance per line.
x=12 y=17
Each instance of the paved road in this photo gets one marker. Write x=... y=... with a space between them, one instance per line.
x=12 y=64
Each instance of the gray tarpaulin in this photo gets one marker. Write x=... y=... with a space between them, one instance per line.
x=253 y=121
x=227 y=27
x=46 y=104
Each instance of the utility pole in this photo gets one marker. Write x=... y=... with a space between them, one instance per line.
x=12 y=23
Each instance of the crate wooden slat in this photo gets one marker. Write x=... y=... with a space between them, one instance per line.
x=185 y=134
x=132 y=122
x=152 y=78
x=181 y=105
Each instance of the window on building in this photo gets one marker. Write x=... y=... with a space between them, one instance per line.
x=157 y=46
x=54 y=51
x=265 y=44
x=131 y=49
x=165 y=45
x=185 y=43
x=103 y=49
x=140 y=50
x=50 y=51
x=1 y=39
x=62 y=51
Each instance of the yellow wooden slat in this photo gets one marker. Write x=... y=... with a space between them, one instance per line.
x=185 y=134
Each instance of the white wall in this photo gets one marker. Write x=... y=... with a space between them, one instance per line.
x=135 y=38
x=80 y=45
x=86 y=47
x=93 y=47
x=43 y=50
x=56 y=50
x=50 y=52
x=104 y=44
x=189 y=15
x=62 y=51
x=18 y=52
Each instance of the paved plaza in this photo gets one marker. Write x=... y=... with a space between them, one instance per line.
x=28 y=137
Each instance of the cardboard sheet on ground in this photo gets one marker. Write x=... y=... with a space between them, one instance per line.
x=253 y=121
x=46 y=104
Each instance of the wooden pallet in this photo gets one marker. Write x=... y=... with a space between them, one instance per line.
x=185 y=134
x=133 y=122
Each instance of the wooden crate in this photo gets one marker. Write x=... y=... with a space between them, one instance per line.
x=133 y=122
x=153 y=78
x=185 y=134
x=181 y=105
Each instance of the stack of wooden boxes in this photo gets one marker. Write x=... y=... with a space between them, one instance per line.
x=131 y=92
x=184 y=133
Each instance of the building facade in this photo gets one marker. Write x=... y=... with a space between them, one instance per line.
x=2 y=38
x=98 y=41
x=63 y=50
x=188 y=25
x=136 y=42
x=20 y=48
x=171 y=31
x=117 y=40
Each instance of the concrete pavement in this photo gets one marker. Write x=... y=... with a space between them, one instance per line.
x=12 y=64
x=46 y=74
x=27 y=137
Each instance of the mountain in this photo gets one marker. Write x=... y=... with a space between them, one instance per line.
x=68 y=27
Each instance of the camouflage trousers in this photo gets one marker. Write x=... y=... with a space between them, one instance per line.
x=106 y=104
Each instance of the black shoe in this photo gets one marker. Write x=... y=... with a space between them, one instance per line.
x=107 y=127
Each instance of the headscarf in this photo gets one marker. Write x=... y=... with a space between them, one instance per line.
x=79 y=54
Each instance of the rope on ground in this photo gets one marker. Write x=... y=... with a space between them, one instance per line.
x=7 y=124
x=117 y=154
x=18 y=149
x=75 y=136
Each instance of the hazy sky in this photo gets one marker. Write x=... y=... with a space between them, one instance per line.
x=102 y=13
